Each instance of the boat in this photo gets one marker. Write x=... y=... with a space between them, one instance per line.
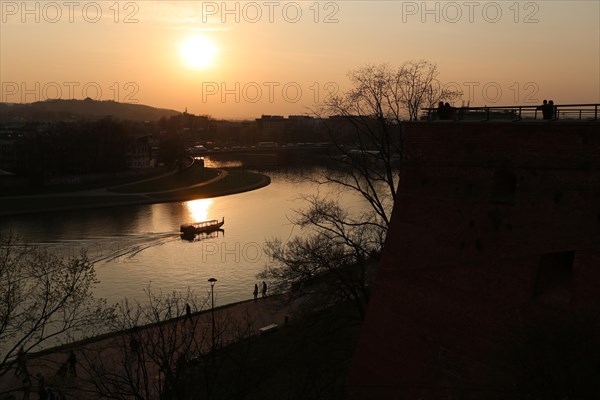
x=197 y=228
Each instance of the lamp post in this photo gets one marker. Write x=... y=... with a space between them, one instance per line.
x=212 y=311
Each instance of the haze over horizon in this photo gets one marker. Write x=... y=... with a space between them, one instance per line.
x=238 y=60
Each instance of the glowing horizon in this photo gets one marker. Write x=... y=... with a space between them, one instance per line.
x=239 y=60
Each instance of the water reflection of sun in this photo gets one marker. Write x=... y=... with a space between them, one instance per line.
x=198 y=209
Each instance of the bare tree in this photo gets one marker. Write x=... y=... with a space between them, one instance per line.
x=420 y=88
x=161 y=351
x=44 y=300
x=152 y=344
x=365 y=126
x=330 y=264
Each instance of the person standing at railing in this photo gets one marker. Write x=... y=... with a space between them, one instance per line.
x=547 y=108
x=544 y=108
x=450 y=112
x=441 y=111
x=551 y=110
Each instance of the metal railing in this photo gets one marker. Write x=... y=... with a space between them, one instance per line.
x=515 y=113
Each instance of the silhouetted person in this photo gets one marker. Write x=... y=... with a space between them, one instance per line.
x=551 y=110
x=133 y=355
x=134 y=345
x=71 y=363
x=544 y=108
x=449 y=110
x=255 y=291
x=441 y=111
x=26 y=387
x=264 y=289
x=188 y=312
x=62 y=371
x=548 y=110
x=181 y=364
x=42 y=394
x=21 y=363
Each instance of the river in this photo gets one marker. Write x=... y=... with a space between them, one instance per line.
x=137 y=246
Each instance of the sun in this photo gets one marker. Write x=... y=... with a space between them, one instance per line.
x=198 y=52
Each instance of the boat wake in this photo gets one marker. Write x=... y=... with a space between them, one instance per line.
x=103 y=249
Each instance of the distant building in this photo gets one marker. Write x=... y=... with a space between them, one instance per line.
x=139 y=153
x=272 y=127
x=10 y=157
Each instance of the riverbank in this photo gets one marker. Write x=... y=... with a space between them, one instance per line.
x=184 y=186
x=307 y=354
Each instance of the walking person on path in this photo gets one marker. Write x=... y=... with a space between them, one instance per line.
x=264 y=289
x=26 y=387
x=71 y=363
x=188 y=312
x=42 y=394
x=21 y=363
x=255 y=291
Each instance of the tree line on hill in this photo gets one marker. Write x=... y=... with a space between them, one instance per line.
x=54 y=110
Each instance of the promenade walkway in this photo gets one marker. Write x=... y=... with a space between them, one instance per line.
x=111 y=355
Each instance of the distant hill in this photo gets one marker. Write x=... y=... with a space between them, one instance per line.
x=55 y=110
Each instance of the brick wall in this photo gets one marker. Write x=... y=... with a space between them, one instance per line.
x=495 y=231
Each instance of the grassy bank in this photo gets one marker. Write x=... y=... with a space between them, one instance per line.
x=107 y=181
x=184 y=178
x=236 y=181
x=178 y=187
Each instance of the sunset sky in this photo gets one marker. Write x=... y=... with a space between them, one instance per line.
x=243 y=59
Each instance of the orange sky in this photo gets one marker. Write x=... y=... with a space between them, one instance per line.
x=271 y=57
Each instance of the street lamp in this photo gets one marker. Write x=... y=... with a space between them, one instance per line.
x=212 y=311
